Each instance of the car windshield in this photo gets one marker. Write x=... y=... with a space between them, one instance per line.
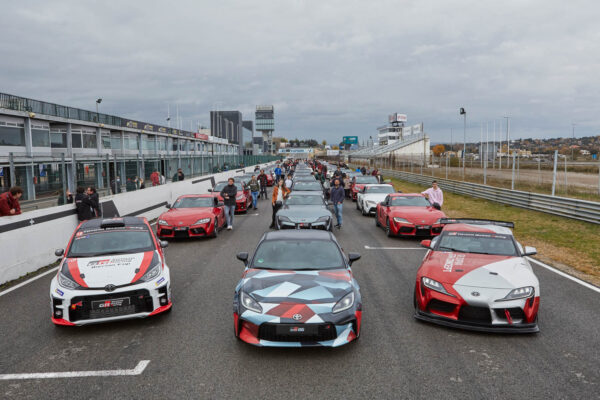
x=379 y=189
x=307 y=186
x=219 y=186
x=304 y=200
x=478 y=242
x=298 y=254
x=366 y=179
x=192 y=202
x=410 y=201
x=100 y=242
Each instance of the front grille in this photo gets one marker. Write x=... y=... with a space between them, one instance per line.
x=423 y=232
x=475 y=314
x=139 y=301
x=324 y=332
x=406 y=229
x=515 y=313
x=198 y=231
x=441 y=306
x=166 y=231
x=182 y=234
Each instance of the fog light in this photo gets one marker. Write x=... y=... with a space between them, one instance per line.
x=163 y=301
x=58 y=313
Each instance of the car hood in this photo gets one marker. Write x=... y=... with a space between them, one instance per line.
x=417 y=215
x=120 y=269
x=304 y=213
x=479 y=270
x=324 y=287
x=187 y=215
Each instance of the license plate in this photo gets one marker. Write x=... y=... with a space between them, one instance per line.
x=181 y=228
x=303 y=329
x=110 y=303
x=424 y=227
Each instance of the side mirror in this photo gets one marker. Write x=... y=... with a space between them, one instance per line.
x=59 y=252
x=530 y=251
x=210 y=189
x=243 y=256
x=426 y=243
x=353 y=257
x=168 y=205
x=164 y=243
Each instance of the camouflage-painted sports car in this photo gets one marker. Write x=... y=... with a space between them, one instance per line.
x=297 y=290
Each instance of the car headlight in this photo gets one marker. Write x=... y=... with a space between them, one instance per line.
x=438 y=221
x=202 y=221
x=519 y=293
x=67 y=283
x=152 y=273
x=398 y=219
x=434 y=285
x=345 y=303
x=249 y=303
x=162 y=222
x=239 y=197
x=284 y=218
x=323 y=219
x=369 y=202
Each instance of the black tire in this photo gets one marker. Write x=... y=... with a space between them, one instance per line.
x=357 y=207
x=215 y=233
x=388 y=231
x=362 y=210
x=377 y=224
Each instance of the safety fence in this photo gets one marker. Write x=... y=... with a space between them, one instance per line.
x=588 y=211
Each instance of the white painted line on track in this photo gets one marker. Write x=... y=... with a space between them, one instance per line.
x=139 y=368
x=565 y=275
x=28 y=281
x=394 y=248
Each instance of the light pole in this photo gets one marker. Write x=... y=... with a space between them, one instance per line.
x=507 y=142
x=464 y=114
x=573 y=142
x=97 y=103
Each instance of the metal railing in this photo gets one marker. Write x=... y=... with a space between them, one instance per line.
x=588 y=211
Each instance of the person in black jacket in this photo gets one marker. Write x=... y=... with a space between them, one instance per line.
x=228 y=194
x=83 y=205
x=337 y=198
x=95 y=200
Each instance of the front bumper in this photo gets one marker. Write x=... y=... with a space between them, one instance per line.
x=241 y=205
x=324 y=334
x=303 y=225
x=83 y=307
x=179 y=231
x=484 y=315
x=404 y=229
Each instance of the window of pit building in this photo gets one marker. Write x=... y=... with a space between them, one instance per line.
x=89 y=139
x=58 y=138
x=40 y=135
x=106 y=144
x=115 y=141
x=12 y=134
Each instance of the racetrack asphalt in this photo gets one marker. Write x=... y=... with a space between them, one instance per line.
x=193 y=353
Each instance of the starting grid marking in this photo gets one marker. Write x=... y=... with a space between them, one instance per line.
x=139 y=368
x=394 y=248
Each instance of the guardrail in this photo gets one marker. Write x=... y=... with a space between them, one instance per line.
x=588 y=211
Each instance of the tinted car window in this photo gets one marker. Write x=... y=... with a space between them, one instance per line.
x=298 y=255
x=304 y=200
x=477 y=242
x=307 y=186
x=126 y=240
x=379 y=189
x=366 y=179
x=219 y=186
x=412 y=201
x=191 y=202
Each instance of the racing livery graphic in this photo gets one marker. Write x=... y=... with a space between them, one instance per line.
x=475 y=276
x=112 y=269
x=294 y=308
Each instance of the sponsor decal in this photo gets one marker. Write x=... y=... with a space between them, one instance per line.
x=452 y=260
x=78 y=234
x=75 y=305
x=59 y=292
x=161 y=280
x=111 y=262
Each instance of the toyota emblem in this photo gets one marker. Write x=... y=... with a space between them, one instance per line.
x=109 y=287
x=297 y=317
x=475 y=294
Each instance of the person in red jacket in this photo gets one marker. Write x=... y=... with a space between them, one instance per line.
x=9 y=202
x=155 y=178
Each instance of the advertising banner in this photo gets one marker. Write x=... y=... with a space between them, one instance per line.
x=333 y=152
x=350 y=139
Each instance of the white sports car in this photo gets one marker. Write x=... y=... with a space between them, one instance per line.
x=370 y=195
x=112 y=269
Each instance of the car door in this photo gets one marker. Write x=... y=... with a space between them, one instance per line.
x=384 y=210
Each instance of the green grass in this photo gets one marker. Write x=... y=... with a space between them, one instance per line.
x=557 y=239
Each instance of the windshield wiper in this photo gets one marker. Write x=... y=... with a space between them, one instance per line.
x=453 y=249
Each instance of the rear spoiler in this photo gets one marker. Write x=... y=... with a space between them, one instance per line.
x=474 y=221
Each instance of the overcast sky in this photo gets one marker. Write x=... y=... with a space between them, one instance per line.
x=330 y=68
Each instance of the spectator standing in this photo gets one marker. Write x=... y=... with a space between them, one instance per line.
x=115 y=185
x=95 y=201
x=263 y=180
x=346 y=180
x=254 y=189
x=155 y=178
x=288 y=181
x=280 y=192
x=83 y=205
x=277 y=173
x=363 y=170
x=337 y=172
x=337 y=198
x=178 y=176
x=9 y=202
x=163 y=180
x=435 y=195
x=228 y=194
